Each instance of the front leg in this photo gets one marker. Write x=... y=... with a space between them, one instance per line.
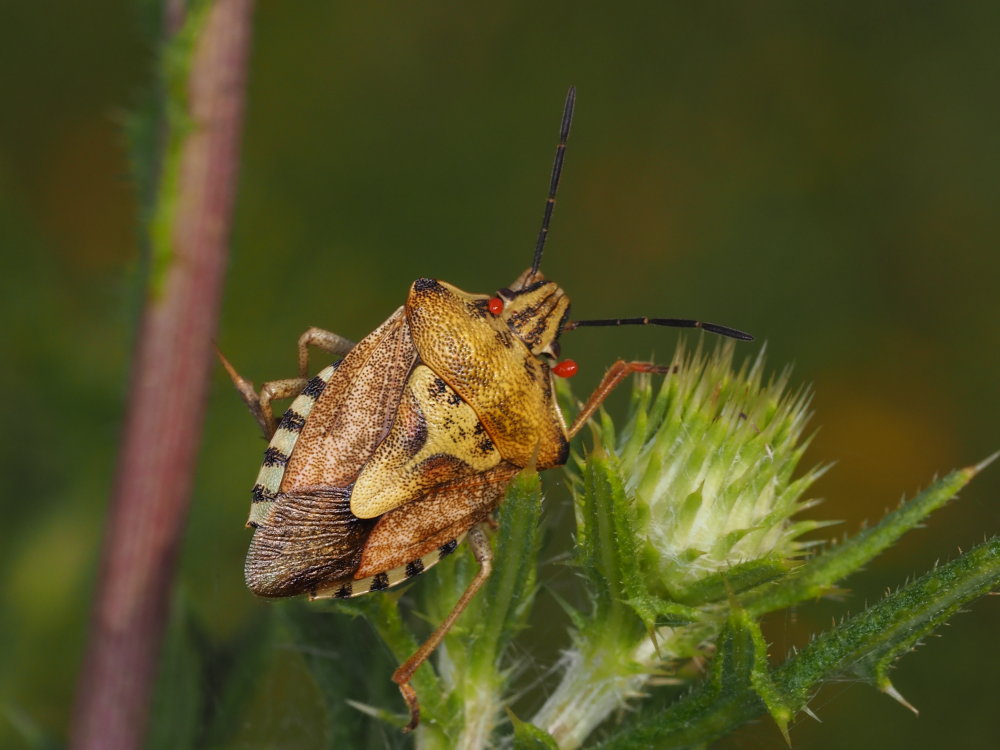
x=612 y=378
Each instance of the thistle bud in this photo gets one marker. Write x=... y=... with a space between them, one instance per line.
x=686 y=506
x=708 y=457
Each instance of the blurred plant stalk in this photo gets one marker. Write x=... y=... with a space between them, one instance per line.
x=205 y=62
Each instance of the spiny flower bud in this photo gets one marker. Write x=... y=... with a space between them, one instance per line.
x=709 y=460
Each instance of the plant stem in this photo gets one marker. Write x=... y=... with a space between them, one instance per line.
x=168 y=390
x=602 y=675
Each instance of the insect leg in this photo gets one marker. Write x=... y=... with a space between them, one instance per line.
x=321 y=339
x=484 y=556
x=615 y=375
x=272 y=391
x=260 y=404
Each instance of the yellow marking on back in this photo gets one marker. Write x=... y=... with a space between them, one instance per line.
x=436 y=438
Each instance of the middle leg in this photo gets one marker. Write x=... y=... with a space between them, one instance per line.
x=484 y=556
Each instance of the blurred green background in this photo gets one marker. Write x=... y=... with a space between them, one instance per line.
x=824 y=176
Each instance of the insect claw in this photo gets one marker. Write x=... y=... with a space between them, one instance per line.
x=410 y=696
x=663 y=369
x=249 y=396
x=243 y=385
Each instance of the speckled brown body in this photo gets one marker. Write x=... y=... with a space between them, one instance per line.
x=387 y=458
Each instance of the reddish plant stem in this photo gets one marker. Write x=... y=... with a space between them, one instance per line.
x=164 y=414
x=173 y=16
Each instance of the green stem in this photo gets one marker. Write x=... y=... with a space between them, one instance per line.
x=818 y=575
x=864 y=645
x=473 y=677
x=596 y=682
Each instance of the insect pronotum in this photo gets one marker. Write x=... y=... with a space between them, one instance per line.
x=392 y=455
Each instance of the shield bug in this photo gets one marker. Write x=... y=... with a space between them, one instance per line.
x=387 y=459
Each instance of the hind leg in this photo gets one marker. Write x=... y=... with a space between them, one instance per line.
x=260 y=404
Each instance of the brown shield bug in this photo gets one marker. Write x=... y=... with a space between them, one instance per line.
x=387 y=459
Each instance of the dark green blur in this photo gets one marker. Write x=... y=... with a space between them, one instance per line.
x=825 y=177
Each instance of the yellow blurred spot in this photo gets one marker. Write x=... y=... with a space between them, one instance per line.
x=44 y=580
x=86 y=199
x=888 y=435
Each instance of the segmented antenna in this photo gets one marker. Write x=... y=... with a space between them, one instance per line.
x=671 y=322
x=550 y=203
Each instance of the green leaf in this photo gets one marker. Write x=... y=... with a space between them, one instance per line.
x=712 y=708
x=473 y=672
x=505 y=600
x=815 y=578
x=529 y=737
x=760 y=679
x=654 y=610
x=718 y=586
x=382 y=611
x=607 y=548
x=868 y=643
x=344 y=661
x=738 y=688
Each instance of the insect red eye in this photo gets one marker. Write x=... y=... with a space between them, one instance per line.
x=566 y=369
x=495 y=305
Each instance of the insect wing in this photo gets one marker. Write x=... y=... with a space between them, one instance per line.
x=354 y=412
x=410 y=539
x=305 y=534
x=310 y=538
